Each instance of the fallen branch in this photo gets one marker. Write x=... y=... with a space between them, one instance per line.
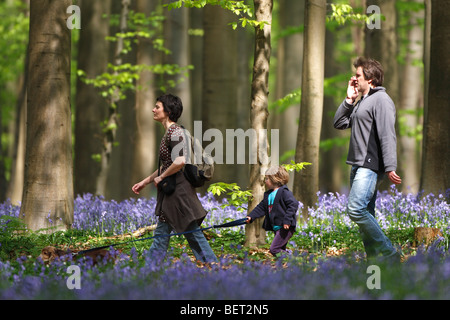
x=139 y=232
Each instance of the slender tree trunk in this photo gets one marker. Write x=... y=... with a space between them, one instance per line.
x=306 y=182
x=381 y=44
x=436 y=145
x=245 y=50
x=289 y=69
x=144 y=159
x=120 y=168
x=16 y=152
x=15 y=187
x=255 y=235
x=91 y=107
x=48 y=187
x=219 y=94
x=112 y=120
x=411 y=99
x=331 y=169
x=176 y=27
x=196 y=49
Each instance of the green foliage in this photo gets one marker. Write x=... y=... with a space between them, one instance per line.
x=288 y=31
x=239 y=198
x=328 y=144
x=239 y=8
x=13 y=238
x=406 y=130
x=296 y=166
x=342 y=13
x=119 y=79
x=292 y=98
x=334 y=86
x=14 y=26
x=139 y=27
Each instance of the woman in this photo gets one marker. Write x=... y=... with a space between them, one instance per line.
x=180 y=211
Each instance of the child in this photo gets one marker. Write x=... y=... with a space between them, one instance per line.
x=279 y=207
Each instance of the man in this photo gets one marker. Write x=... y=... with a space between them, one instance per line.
x=372 y=151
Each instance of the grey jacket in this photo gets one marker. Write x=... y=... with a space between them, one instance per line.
x=373 y=142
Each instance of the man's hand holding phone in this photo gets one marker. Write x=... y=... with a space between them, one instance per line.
x=352 y=90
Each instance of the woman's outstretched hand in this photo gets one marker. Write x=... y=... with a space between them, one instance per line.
x=139 y=186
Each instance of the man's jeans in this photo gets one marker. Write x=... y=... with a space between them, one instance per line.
x=197 y=241
x=361 y=209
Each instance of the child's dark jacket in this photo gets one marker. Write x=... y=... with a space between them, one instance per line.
x=283 y=212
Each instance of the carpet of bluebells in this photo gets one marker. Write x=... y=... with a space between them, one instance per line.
x=308 y=271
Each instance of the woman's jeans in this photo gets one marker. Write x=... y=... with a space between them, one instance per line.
x=361 y=210
x=197 y=241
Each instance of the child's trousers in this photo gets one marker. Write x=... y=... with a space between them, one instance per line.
x=280 y=240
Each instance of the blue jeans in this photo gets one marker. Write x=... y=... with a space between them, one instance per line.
x=361 y=210
x=197 y=241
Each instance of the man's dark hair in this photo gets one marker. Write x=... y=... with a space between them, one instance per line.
x=172 y=105
x=372 y=70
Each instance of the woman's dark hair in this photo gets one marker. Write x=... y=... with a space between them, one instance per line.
x=372 y=70
x=172 y=105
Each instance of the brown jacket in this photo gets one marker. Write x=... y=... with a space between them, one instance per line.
x=181 y=207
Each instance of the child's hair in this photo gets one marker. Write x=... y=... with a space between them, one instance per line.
x=278 y=175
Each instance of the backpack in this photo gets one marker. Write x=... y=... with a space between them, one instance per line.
x=199 y=166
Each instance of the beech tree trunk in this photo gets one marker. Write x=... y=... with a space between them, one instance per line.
x=254 y=234
x=289 y=69
x=220 y=82
x=381 y=44
x=110 y=131
x=410 y=100
x=145 y=158
x=176 y=39
x=436 y=145
x=91 y=107
x=48 y=184
x=306 y=182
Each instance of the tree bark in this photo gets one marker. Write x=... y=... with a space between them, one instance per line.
x=110 y=133
x=436 y=145
x=411 y=99
x=91 y=107
x=331 y=169
x=48 y=184
x=289 y=69
x=307 y=150
x=145 y=158
x=381 y=44
x=15 y=185
x=254 y=234
x=176 y=39
x=219 y=94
